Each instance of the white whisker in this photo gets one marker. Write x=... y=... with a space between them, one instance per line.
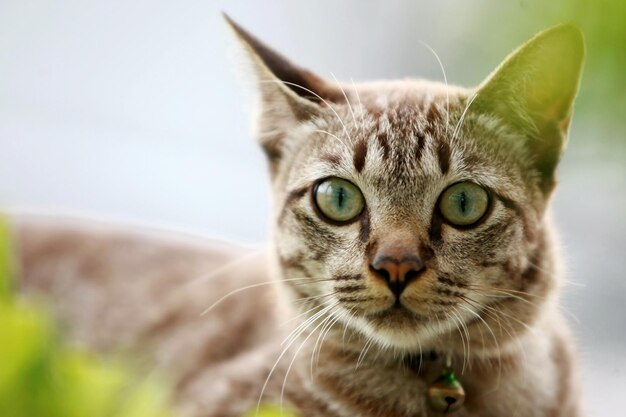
x=358 y=97
x=445 y=79
x=284 y=351
x=457 y=128
x=346 y=97
x=295 y=355
x=345 y=129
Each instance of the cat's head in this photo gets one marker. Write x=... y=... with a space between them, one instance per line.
x=413 y=211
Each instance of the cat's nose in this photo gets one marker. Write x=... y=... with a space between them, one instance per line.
x=397 y=267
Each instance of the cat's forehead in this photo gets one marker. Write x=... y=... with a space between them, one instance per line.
x=399 y=140
x=395 y=127
x=396 y=100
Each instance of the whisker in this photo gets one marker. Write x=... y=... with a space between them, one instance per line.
x=345 y=129
x=358 y=97
x=496 y=311
x=323 y=333
x=495 y=339
x=316 y=307
x=366 y=347
x=283 y=352
x=493 y=314
x=455 y=322
x=345 y=96
x=314 y=297
x=510 y=293
x=351 y=315
x=295 y=332
x=248 y=287
x=551 y=273
x=223 y=268
x=457 y=128
x=330 y=134
x=295 y=355
x=467 y=335
x=445 y=79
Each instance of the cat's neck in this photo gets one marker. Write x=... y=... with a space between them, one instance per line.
x=374 y=381
x=348 y=373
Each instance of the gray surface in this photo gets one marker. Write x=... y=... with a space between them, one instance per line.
x=132 y=111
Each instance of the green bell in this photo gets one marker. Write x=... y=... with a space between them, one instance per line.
x=446 y=394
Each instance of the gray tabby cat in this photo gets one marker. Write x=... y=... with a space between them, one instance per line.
x=411 y=237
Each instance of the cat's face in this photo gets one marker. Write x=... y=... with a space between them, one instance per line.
x=410 y=211
x=399 y=159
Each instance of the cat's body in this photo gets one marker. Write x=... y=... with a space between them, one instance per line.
x=390 y=272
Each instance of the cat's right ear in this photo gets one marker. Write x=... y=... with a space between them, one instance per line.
x=288 y=94
x=534 y=90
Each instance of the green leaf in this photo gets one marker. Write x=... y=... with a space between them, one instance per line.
x=6 y=260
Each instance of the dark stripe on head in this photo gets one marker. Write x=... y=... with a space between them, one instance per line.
x=419 y=148
x=383 y=142
x=432 y=120
x=432 y=114
x=443 y=156
x=360 y=152
x=332 y=158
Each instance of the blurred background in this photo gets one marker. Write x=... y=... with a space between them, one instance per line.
x=133 y=111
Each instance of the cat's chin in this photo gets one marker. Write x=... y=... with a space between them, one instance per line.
x=399 y=328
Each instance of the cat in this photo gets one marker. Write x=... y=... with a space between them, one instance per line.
x=411 y=238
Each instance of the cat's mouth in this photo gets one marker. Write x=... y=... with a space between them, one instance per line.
x=396 y=314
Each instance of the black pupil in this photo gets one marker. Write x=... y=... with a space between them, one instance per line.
x=341 y=196
x=463 y=201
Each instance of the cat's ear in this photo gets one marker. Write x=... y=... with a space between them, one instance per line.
x=289 y=94
x=534 y=90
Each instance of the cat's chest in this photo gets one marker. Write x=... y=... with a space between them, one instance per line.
x=402 y=390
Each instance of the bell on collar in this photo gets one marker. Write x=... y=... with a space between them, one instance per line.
x=446 y=394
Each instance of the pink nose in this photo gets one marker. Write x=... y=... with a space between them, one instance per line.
x=397 y=265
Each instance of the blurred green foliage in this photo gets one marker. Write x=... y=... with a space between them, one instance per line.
x=42 y=377
x=6 y=265
x=268 y=410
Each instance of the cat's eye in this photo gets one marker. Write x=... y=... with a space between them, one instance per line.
x=338 y=200
x=463 y=203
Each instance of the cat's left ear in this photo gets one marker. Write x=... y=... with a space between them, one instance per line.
x=289 y=94
x=534 y=90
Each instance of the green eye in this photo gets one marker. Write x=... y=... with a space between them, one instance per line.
x=464 y=203
x=338 y=200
